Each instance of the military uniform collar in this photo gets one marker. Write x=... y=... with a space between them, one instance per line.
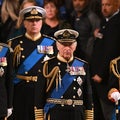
x=62 y=59
x=33 y=38
x=107 y=19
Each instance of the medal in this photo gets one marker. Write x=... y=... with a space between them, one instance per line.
x=1 y=71
x=45 y=49
x=79 y=81
x=3 y=61
x=79 y=92
x=77 y=71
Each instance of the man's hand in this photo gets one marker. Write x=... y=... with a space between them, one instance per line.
x=9 y=112
x=97 y=78
x=115 y=96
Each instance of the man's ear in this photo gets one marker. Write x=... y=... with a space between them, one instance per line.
x=57 y=45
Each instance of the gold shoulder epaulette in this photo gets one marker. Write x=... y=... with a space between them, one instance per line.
x=49 y=37
x=114 y=61
x=5 y=45
x=114 y=67
x=81 y=60
x=14 y=38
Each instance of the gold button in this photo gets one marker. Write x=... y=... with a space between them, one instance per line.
x=59 y=63
x=74 y=79
x=39 y=70
x=26 y=72
x=23 y=56
x=73 y=105
x=21 y=41
x=74 y=88
x=61 y=96
x=74 y=96
x=62 y=105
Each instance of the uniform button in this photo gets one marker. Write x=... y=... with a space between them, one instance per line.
x=59 y=63
x=21 y=41
x=23 y=56
x=74 y=88
x=39 y=70
x=62 y=105
x=74 y=96
x=73 y=105
x=103 y=27
x=61 y=96
x=26 y=72
x=74 y=79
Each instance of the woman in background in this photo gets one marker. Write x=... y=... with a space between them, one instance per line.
x=52 y=22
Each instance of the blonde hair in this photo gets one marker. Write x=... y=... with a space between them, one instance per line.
x=10 y=9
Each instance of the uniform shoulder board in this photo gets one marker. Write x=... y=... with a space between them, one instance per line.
x=81 y=60
x=49 y=37
x=49 y=59
x=5 y=45
x=15 y=38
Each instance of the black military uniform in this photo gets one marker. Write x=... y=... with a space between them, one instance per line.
x=69 y=95
x=6 y=76
x=28 y=55
x=106 y=48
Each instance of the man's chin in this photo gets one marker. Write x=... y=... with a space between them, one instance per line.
x=67 y=58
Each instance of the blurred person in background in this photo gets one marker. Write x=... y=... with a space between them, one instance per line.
x=52 y=22
x=19 y=27
x=9 y=16
x=106 y=48
x=85 y=22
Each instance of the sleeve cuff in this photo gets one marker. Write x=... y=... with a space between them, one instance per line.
x=39 y=114
x=88 y=114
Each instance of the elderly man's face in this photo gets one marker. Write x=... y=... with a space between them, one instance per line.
x=109 y=7
x=66 y=50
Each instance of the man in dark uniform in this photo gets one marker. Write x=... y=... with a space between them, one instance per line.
x=29 y=50
x=69 y=95
x=6 y=84
x=105 y=49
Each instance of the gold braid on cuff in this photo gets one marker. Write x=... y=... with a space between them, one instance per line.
x=88 y=114
x=39 y=114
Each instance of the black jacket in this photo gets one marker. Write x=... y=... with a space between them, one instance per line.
x=104 y=51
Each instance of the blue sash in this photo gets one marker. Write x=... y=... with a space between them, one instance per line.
x=32 y=59
x=114 y=115
x=3 y=51
x=67 y=81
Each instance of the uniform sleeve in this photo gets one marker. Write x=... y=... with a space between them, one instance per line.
x=9 y=78
x=88 y=101
x=40 y=97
